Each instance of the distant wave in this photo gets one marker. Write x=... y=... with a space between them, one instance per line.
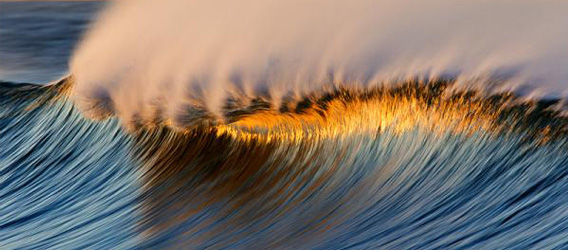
x=419 y=164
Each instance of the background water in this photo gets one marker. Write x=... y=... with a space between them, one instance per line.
x=37 y=38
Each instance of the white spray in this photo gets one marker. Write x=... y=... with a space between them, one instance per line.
x=177 y=54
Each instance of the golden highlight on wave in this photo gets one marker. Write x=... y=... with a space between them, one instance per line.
x=436 y=105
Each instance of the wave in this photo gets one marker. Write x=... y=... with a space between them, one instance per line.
x=296 y=125
x=418 y=164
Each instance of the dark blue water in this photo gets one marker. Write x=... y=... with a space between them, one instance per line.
x=37 y=38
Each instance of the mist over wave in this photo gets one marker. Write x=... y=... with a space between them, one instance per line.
x=174 y=56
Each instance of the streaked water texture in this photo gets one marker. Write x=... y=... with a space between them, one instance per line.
x=418 y=165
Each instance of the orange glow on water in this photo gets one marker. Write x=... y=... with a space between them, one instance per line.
x=378 y=113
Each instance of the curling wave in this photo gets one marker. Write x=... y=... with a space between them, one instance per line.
x=415 y=165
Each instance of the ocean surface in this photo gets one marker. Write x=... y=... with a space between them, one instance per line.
x=413 y=165
x=37 y=38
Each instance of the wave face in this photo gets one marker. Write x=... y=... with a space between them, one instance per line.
x=193 y=55
x=416 y=165
x=65 y=182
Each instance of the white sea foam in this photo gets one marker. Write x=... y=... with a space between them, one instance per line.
x=179 y=54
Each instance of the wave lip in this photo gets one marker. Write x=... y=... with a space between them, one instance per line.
x=192 y=61
x=437 y=105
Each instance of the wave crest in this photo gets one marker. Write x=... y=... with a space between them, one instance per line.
x=192 y=56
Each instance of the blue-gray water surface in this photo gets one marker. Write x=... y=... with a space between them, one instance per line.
x=37 y=38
